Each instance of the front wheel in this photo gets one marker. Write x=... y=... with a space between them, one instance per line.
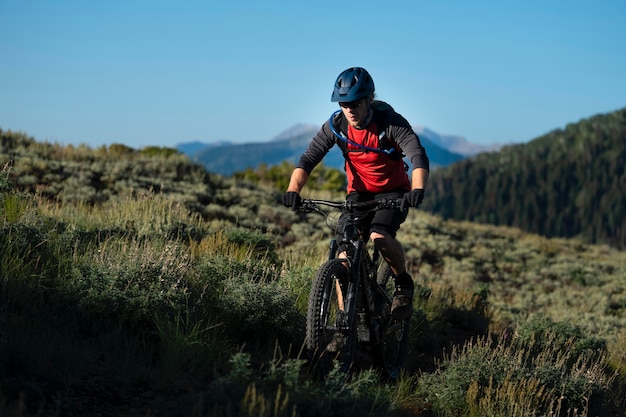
x=329 y=333
x=392 y=336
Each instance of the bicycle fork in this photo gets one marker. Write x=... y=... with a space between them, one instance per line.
x=353 y=285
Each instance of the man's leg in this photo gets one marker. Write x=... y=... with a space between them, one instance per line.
x=392 y=252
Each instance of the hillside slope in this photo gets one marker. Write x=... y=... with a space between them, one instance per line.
x=135 y=283
x=566 y=183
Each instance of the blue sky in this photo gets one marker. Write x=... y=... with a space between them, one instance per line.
x=159 y=73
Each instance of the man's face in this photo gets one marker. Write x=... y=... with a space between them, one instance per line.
x=356 y=112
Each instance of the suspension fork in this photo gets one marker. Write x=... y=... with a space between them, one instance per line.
x=368 y=278
x=355 y=279
x=332 y=250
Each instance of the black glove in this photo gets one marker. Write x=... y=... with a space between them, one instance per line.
x=412 y=199
x=292 y=200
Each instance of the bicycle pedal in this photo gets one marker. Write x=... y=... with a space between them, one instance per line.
x=336 y=344
x=363 y=334
x=362 y=327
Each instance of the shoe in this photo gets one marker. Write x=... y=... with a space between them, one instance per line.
x=402 y=304
x=336 y=344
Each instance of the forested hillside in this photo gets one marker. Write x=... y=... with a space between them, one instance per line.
x=569 y=182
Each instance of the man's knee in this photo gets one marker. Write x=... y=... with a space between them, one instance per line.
x=383 y=240
x=379 y=235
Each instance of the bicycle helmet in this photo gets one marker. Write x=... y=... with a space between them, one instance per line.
x=353 y=84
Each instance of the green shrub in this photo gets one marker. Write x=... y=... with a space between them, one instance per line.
x=259 y=244
x=158 y=151
x=5 y=178
x=255 y=305
x=542 y=370
x=128 y=280
x=188 y=343
x=31 y=262
x=541 y=333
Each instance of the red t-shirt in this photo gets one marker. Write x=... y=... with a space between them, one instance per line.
x=372 y=171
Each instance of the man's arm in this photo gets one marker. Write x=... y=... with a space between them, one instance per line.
x=298 y=178
x=414 y=198
x=419 y=178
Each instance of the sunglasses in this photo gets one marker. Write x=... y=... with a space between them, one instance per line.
x=351 y=104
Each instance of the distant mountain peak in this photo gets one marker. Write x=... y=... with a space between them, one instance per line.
x=296 y=130
x=193 y=147
x=455 y=143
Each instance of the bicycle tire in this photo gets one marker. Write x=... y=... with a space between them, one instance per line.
x=331 y=334
x=391 y=343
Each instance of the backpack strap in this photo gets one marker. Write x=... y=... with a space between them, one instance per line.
x=341 y=138
x=385 y=142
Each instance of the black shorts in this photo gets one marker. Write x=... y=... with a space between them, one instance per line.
x=382 y=221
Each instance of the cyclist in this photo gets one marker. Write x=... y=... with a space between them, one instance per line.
x=374 y=138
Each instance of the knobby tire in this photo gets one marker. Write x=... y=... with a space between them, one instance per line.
x=330 y=337
x=390 y=346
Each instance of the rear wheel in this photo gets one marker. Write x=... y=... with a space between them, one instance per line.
x=329 y=333
x=391 y=341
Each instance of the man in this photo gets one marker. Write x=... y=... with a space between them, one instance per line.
x=373 y=138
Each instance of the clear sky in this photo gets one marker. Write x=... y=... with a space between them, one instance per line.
x=160 y=73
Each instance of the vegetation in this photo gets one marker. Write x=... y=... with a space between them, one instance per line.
x=133 y=282
x=568 y=183
x=321 y=178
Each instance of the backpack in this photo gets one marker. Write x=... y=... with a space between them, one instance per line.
x=386 y=144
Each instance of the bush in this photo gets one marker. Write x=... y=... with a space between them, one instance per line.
x=543 y=371
x=5 y=182
x=540 y=334
x=256 y=307
x=128 y=280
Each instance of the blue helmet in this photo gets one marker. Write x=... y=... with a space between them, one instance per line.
x=353 y=84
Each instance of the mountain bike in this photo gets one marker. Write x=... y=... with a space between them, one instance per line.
x=349 y=308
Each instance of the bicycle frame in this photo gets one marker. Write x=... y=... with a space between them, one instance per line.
x=363 y=298
x=362 y=266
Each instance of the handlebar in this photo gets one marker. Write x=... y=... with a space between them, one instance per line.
x=309 y=205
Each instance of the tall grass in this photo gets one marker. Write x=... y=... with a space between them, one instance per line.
x=128 y=287
x=543 y=372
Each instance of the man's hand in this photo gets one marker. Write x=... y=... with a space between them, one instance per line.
x=412 y=199
x=292 y=200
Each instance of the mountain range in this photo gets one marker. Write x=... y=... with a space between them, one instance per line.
x=226 y=158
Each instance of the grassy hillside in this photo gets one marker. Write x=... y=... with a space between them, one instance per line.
x=567 y=183
x=168 y=291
